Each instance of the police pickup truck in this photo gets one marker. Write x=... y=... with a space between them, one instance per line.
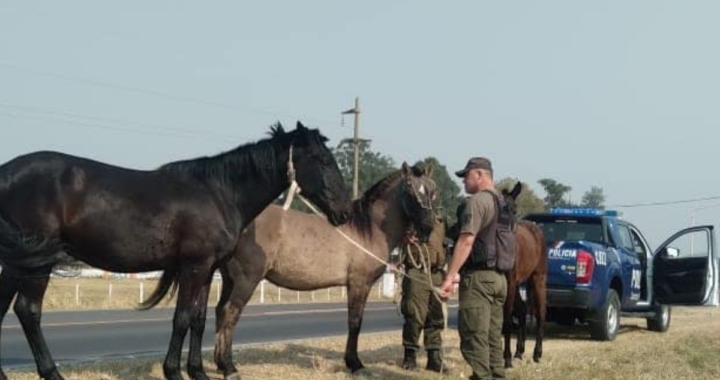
x=600 y=267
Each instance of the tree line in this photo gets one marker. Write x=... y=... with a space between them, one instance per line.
x=375 y=165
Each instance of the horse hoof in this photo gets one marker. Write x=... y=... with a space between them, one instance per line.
x=234 y=376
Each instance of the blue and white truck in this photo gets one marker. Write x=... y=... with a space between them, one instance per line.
x=600 y=267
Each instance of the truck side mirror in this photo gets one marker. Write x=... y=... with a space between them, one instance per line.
x=671 y=252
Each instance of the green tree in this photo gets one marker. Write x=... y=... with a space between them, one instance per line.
x=447 y=190
x=555 y=193
x=373 y=166
x=527 y=202
x=594 y=198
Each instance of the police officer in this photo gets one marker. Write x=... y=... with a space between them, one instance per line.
x=483 y=289
x=421 y=308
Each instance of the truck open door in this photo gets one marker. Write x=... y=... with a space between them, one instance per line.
x=685 y=269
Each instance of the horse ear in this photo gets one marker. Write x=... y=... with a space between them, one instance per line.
x=428 y=169
x=516 y=190
x=406 y=171
x=300 y=126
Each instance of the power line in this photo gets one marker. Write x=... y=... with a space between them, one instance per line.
x=43 y=111
x=155 y=93
x=106 y=127
x=665 y=203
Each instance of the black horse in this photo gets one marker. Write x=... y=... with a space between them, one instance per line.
x=184 y=218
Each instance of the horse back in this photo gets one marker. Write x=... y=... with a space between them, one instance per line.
x=531 y=254
x=112 y=217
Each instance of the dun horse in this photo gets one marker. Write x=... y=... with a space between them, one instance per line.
x=184 y=218
x=300 y=251
x=531 y=268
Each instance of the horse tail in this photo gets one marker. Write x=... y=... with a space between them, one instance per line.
x=168 y=281
x=21 y=250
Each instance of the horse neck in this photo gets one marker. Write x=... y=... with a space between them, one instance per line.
x=388 y=216
x=250 y=176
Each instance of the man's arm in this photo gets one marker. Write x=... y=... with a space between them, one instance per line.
x=461 y=252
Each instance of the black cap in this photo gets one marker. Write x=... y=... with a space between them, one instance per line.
x=475 y=163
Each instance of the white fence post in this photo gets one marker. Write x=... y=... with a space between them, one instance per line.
x=77 y=294
x=279 y=296
x=312 y=296
x=342 y=289
x=262 y=291
x=328 y=289
x=142 y=292
x=110 y=292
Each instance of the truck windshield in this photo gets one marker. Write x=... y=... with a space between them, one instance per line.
x=570 y=228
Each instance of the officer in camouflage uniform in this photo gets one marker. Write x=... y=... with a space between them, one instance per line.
x=483 y=289
x=421 y=308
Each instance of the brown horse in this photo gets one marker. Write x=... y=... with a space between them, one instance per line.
x=531 y=268
x=300 y=251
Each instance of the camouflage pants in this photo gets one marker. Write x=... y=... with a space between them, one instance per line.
x=480 y=320
x=422 y=311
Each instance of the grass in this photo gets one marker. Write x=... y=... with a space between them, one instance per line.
x=688 y=351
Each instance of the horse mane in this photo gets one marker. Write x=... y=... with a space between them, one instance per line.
x=361 y=217
x=251 y=160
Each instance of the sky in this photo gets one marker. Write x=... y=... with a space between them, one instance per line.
x=618 y=94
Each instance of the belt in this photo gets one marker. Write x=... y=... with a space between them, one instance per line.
x=478 y=267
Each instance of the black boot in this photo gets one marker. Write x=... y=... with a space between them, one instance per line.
x=434 y=362
x=409 y=362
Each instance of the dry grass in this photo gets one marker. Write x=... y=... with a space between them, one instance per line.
x=93 y=294
x=689 y=351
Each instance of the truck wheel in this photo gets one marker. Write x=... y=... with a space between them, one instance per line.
x=607 y=322
x=661 y=321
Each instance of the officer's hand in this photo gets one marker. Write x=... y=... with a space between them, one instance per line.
x=446 y=288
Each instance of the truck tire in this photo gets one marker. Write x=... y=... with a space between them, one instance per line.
x=661 y=321
x=607 y=322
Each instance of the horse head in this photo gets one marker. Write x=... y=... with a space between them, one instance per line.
x=316 y=171
x=510 y=197
x=417 y=197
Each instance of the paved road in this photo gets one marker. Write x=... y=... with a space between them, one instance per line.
x=89 y=335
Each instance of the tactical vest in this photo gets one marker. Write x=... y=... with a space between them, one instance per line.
x=494 y=246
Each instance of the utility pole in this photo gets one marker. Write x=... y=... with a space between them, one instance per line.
x=356 y=145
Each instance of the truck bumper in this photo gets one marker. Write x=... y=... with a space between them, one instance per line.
x=568 y=298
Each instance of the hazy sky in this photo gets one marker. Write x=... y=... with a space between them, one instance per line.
x=619 y=94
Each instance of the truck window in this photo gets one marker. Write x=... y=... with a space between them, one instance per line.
x=638 y=245
x=625 y=238
x=569 y=228
x=694 y=244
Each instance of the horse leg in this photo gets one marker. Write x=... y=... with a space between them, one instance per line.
x=191 y=281
x=28 y=308
x=357 y=298
x=239 y=283
x=521 y=313
x=197 y=328
x=507 y=320
x=8 y=289
x=540 y=304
